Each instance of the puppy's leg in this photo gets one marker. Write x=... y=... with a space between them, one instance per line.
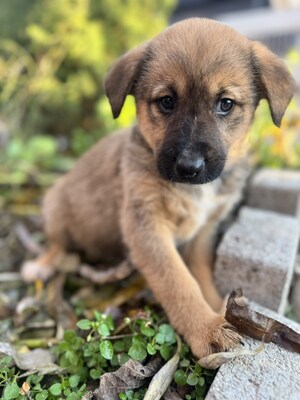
x=55 y=214
x=199 y=257
x=153 y=252
x=42 y=267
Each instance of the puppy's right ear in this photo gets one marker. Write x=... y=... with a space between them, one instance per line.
x=119 y=81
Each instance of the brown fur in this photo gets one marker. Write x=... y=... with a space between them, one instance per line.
x=125 y=199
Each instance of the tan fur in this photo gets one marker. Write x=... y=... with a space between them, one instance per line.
x=115 y=204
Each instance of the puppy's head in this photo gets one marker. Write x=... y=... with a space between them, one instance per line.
x=196 y=86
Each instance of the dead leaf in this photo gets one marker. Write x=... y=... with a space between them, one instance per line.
x=26 y=306
x=259 y=326
x=131 y=375
x=10 y=277
x=162 y=379
x=116 y=299
x=44 y=370
x=215 y=360
x=24 y=210
x=6 y=348
x=170 y=394
x=57 y=307
x=87 y=396
x=4 y=305
x=25 y=389
x=36 y=361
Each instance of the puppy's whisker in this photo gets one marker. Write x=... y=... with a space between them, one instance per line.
x=172 y=177
x=170 y=150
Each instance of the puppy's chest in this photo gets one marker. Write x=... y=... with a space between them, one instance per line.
x=188 y=210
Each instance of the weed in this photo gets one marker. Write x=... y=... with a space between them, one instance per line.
x=100 y=347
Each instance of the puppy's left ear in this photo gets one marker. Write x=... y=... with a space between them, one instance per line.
x=275 y=82
x=119 y=81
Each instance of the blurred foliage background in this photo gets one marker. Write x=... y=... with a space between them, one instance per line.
x=53 y=58
x=278 y=147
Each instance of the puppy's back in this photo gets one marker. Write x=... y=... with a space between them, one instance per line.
x=81 y=210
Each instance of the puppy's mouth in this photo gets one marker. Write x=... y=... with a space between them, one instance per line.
x=190 y=168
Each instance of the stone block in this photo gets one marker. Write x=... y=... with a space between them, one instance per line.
x=275 y=190
x=271 y=374
x=258 y=254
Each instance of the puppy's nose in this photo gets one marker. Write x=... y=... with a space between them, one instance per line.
x=190 y=167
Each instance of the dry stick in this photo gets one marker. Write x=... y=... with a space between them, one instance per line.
x=27 y=240
x=116 y=273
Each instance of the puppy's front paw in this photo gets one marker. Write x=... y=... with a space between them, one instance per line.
x=33 y=270
x=217 y=336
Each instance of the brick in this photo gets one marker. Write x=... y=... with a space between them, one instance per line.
x=275 y=190
x=272 y=374
x=258 y=254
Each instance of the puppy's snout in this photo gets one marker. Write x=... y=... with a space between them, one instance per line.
x=189 y=167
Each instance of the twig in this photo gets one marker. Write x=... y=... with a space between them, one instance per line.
x=27 y=240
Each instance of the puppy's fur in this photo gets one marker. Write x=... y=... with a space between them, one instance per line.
x=154 y=193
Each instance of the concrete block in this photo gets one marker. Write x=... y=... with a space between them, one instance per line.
x=272 y=374
x=258 y=254
x=275 y=190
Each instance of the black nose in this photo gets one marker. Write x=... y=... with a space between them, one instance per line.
x=190 y=167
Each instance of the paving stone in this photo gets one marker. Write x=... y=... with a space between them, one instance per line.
x=258 y=254
x=271 y=374
x=276 y=190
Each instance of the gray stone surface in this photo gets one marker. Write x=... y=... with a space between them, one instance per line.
x=276 y=190
x=272 y=374
x=258 y=255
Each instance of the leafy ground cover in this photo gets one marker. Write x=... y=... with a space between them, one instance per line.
x=58 y=344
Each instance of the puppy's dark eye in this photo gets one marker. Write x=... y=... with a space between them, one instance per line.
x=224 y=106
x=166 y=104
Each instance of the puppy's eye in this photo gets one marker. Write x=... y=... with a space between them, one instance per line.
x=166 y=104
x=224 y=106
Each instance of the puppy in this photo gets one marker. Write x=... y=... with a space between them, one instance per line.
x=153 y=194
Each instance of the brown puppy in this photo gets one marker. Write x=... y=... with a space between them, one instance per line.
x=154 y=193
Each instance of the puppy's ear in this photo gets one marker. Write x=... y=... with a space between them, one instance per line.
x=275 y=82
x=119 y=81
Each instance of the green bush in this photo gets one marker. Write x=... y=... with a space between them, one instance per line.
x=54 y=55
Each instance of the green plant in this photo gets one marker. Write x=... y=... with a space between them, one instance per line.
x=276 y=147
x=100 y=347
x=103 y=349
x=273 y=146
